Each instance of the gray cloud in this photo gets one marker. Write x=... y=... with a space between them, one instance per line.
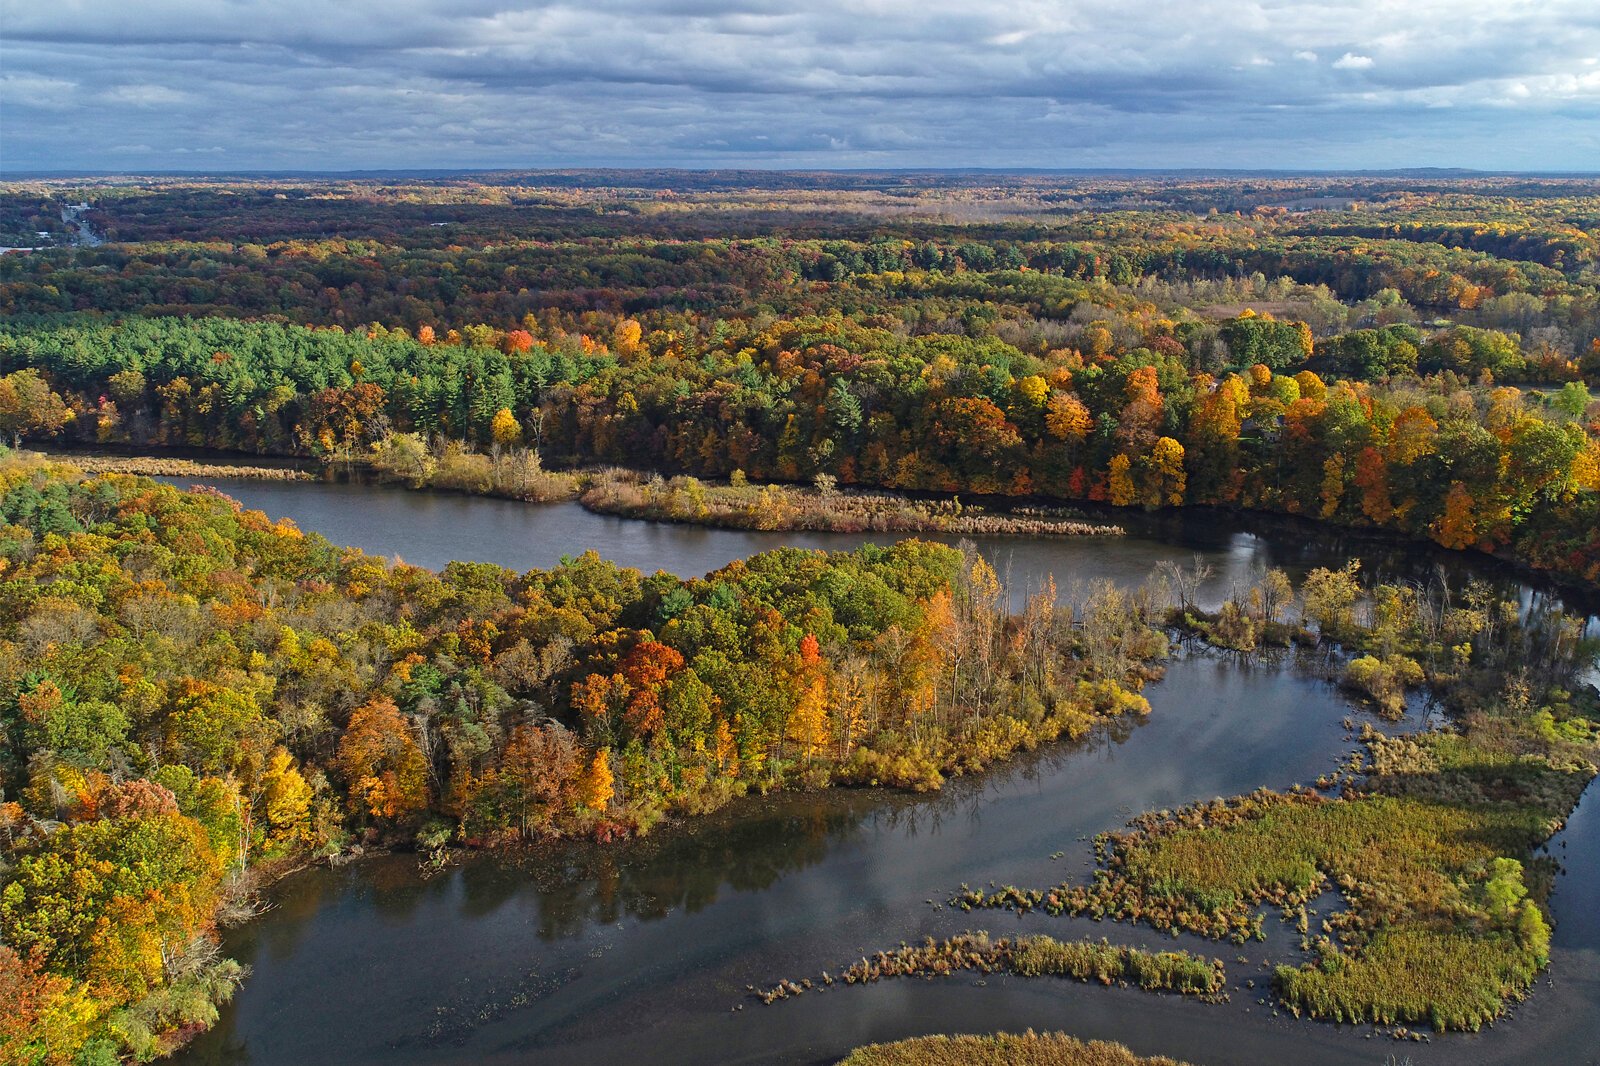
x=241 y=84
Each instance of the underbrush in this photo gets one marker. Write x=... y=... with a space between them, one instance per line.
x=515 y=473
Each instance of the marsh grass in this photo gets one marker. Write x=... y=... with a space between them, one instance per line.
x=1441 y=928
x=1430 y=840
x=1002 y=1049
x=741 y=505
x=168 y=466
x=1100 y=962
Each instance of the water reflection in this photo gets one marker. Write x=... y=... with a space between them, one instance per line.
x=642 y=952
x=431 y=529
x=537 y=954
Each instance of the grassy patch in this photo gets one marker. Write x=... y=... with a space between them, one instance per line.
x=1035 y=956
x=742 y=505
x=1429 y=842
x=1441 y=928
x=1002 y=1049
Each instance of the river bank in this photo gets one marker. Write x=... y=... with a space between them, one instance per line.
x=825 y=508
x=1092 y=615
x=176 y=467
x=518 y=474
x=616 y=492
x=571 y=951
x=861 y=683
x=647 y=497
x=660 y=901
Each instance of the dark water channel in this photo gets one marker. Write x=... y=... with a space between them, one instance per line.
x=642 y=952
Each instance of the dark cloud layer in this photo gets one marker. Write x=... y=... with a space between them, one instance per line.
x=325 y=84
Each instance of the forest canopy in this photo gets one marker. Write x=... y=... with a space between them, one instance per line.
x=194 y=697
x=195 y=692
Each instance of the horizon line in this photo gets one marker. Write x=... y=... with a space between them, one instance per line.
x=23 y=174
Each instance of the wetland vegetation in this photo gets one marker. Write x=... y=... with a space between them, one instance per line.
x=1027 y=1049
x=197 y=698
x=1037 y=956
x=1428 y=840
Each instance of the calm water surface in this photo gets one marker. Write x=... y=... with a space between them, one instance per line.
x=431 y=529
x=641 y=953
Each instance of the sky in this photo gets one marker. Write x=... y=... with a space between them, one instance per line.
x=230 y=85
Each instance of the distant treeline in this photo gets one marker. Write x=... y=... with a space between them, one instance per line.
x=1137 y=423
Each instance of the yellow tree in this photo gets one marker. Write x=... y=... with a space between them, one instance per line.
x=505 y=428
x=1307 y=343
x=595 y=789
x=727 y=750
x=1311 y=386
x=1120 y=486
x=808 y=722
x=1034 y=390
x=1586 y=468
x=849 y=706
x=29 y=406
x=1167 y=478
x=946 y=638
x=625 y=338
x=287 y=799
x=1067 y=419
x=1413 y=436
x=1332 y=484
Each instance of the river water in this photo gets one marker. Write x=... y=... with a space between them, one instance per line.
x=642 y=952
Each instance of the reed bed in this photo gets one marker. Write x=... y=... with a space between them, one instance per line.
x=776 y=507
x=1001 y=1049
x=1440 y=929
x=1430 y=838
x=1036 y=956
x=161 y=466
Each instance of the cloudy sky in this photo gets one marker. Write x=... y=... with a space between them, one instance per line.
x=331 y=84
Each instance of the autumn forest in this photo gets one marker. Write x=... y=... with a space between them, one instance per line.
x=198 y=699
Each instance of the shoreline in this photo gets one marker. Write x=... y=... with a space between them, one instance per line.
x=1001 y=751
x=1187 y=942
x=772 y=507
x=1585 y=596
x=767 y=507
x=173 y=466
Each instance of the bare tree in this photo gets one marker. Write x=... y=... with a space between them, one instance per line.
x=1186 y=583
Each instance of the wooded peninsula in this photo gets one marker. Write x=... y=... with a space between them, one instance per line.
x=197 y=698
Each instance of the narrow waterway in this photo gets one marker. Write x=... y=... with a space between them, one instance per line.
x=431 y=529
x=642 y=953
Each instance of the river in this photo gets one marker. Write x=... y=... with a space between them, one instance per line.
x=642 y=952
